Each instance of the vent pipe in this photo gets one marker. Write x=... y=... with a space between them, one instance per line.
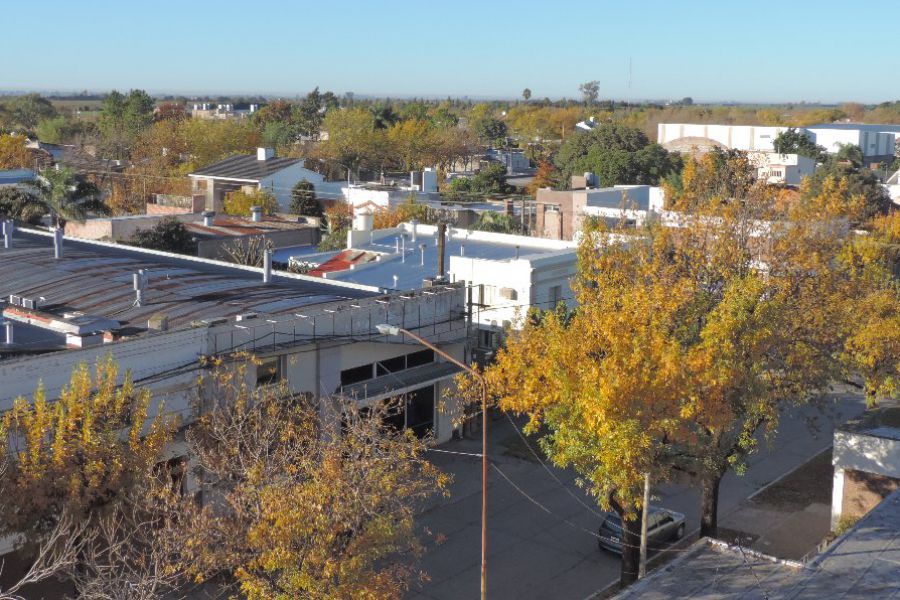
x=442 y=244
x=256 y=213
x=208 y=217
x=57 y=243
x=138 y=284
x=422 y=248
x=267 y=266
x=517 y=252
x=462 y=249
x=402 y=248
x=396 y=245
x=8 y=326
x=8 y=226
x=414 y=223
x=396 y=281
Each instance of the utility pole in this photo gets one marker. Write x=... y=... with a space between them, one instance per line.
x=642 y=569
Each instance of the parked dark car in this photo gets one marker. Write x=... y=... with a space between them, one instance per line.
x=663 y=526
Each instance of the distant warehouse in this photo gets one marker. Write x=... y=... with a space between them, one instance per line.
x=876 y=141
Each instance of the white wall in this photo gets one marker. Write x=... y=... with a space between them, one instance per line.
x=867 y=453
x=532 y=279
x=281 y=182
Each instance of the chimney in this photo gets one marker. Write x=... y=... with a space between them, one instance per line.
x=442 y=243
x=256 y=213
x=265 y=153
x=8 y=226
x=267 y=266
x=208 y=217
x=57 y=243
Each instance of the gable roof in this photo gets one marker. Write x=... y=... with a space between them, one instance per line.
x=246 y=167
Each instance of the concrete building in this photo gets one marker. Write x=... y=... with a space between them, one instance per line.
x=784 y=169
x=877 y=145
x=264 y=171
x=507 y=274
x=212 y=232
x=388 y=193
x=157 y=314
x=866 y=463
x=560 y=214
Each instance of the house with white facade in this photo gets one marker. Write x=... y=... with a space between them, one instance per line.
x=263 y=171
x=783 y=169
x=504 y=274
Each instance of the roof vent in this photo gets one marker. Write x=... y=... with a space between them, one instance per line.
x=265 y=153
x=246 y=316
x=256 y=213
x=208 y=217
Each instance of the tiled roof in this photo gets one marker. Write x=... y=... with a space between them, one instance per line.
x=245 y=166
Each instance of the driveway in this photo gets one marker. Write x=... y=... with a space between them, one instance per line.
x=542 y=546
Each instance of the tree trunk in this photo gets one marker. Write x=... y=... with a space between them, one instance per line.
x=631 y=545
x=709 y=505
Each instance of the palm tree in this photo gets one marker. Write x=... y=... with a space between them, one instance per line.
x=66 y=197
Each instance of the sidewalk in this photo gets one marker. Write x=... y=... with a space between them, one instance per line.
x=788 y=518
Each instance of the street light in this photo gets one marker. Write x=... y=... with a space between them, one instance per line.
x=394 y=330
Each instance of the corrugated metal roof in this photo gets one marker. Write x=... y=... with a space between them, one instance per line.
x=97 y=280
x=244 y=166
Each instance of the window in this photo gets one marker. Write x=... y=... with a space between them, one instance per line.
x=268 y=371
x=555 y=295
x=420 y=411
x=487 y=338
x=391 y=365
x=356 y=374
x=417 y=359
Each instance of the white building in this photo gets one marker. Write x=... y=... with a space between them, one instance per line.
x=507 y=274
x=785 y=169
x=157 y=314
x=423 y=186
x=264 y=171
x=876 y=145
x=866 y=463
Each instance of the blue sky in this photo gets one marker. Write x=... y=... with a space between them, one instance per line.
x=795 y=50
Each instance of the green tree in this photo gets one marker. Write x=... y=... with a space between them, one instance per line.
x=123 y=117
x=303 y=200
x=490 y=130
x=56 y=130
x=20 y=205
x=496 y=222
x=618 y=154
x=67 y=197
x=590 y=92
x=526 y=94
x=793 y=141
x=26 y=111
x=169 y=235
x=847 y=164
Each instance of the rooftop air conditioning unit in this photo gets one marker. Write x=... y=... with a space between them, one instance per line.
x=29 y=303
x=15 y=300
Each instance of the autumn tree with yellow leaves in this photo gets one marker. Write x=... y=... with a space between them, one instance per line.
x=77 y=474
x=304 y=500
